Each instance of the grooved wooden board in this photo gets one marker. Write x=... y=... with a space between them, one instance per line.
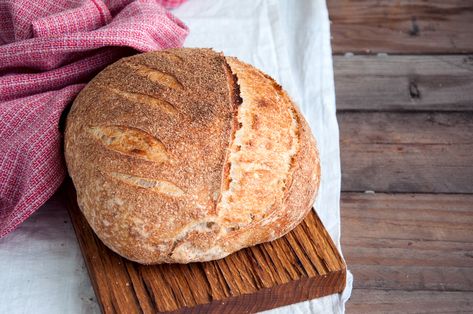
x=302 y=265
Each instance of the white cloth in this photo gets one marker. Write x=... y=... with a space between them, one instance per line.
x=41 y=267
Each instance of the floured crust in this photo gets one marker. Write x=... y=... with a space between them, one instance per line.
x=186 y=155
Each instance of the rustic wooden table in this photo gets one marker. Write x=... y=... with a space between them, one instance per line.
x=404 y=86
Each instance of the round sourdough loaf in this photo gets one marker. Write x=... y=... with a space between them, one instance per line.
x=187 y=155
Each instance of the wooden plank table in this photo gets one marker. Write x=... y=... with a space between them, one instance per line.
x=404 y=86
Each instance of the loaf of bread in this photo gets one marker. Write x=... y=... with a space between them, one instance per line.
x=187 y=155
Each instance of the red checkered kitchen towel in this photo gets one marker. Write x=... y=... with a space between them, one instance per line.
x=49 y=50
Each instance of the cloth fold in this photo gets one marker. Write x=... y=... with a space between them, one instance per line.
x=50 y=49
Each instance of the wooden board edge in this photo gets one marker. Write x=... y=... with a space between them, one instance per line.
x=274 y=297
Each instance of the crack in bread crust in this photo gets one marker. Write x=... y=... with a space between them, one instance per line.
x=235 y=103
x=254 y=170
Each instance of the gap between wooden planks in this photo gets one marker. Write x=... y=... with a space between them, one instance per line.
x=403 y=26
x=407 y=152
x=409 y=253
x=408 y=144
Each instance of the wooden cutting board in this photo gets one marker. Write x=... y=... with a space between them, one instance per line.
x=302 y=265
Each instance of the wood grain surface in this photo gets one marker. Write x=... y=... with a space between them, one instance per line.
x=404 y=109
x=410 y=253
x=407 y=152
x=404 y=83
x=302 y=265
x=401 y=26
x=403 y=301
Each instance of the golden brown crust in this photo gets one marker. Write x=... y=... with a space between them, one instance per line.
x=273 y=109
x=171 y=165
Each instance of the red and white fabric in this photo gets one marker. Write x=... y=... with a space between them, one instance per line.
x=49 y=50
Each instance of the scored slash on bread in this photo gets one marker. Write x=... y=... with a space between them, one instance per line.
x=186 y=155
x=131 y=141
